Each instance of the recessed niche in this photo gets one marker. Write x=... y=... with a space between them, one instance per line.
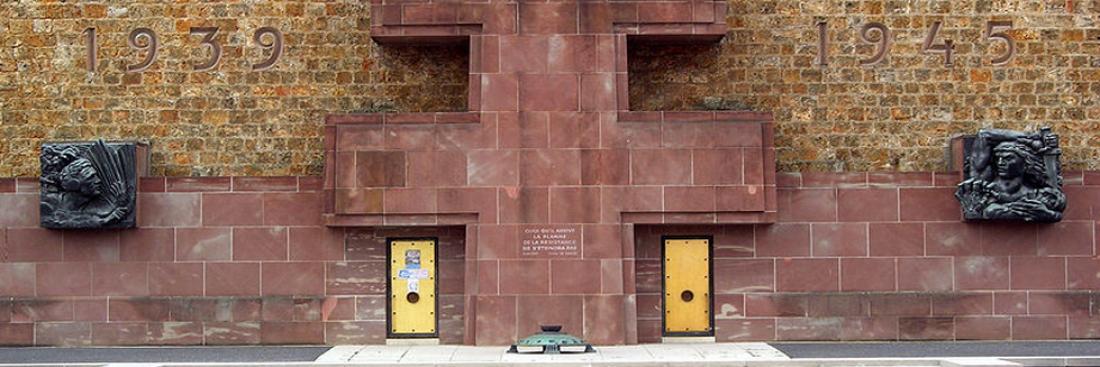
x=672 y=77
x=423 y=78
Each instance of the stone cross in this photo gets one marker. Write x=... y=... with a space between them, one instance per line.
x=549 y=171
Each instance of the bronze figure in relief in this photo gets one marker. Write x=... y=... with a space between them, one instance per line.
x=88 y=185
x=1012 y=175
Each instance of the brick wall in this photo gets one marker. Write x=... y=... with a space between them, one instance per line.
x=894 y=116
x=887 y=257
x=216 y=261
x=227 y=121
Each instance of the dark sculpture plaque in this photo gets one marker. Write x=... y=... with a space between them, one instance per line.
x=1012 y=175
x=88 y=185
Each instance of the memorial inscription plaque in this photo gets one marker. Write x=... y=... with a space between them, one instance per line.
x=550 y=241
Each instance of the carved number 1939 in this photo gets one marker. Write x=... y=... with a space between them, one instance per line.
x=878 y=33
x=145 y=40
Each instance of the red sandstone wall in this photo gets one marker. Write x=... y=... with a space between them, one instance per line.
x=244 y=261
x=216 y=261
x=858 y=256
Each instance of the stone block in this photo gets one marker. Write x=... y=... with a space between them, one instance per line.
x=660 y=166
x=1058 y=303
x=867 y=274
x=983 y=328
x=169 y=210
x=1039 y=328
x=717 y=166
x=952 y=239
x=689 y=198
x=1010 y=303
x=36 y=310
x=273 y=332
x=524 y=277
x=90 y=309
x=34 y=245
x=318 y=244
x=896 y=239
x=263 y=243
x=524 y=205
x=783 y=240
x=547 y=167
x=357 y=333
x=1035 y=273
x=929 y=204
x=147 y=244
x=231 y=333
x=981 y=273
x=227 y=209
x=293 y=209
x=737 y=330
x=807 y=275
x=203 y=244
x=17 y=334
x=1005 y=239
x=198 y=184
x=63 y=333
x=808 y=328
x=63 y=279
x=901 y=304
x=574 y=276
x=574 y=205
x=359 y=277
x=120 y=279
x=550 y=18
x=926 y=328
x=138 y=309
x=743 y=275
x=19 y=279
x=496 y=320
x=807 y=205
x=232 y=279
x=87 y=245
x=929 y=274
x=292 y=278
x=1066 y=238
x=867 y=205
x=838 y=239
x=962 y=304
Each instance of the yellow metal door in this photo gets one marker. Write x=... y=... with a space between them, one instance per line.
x=687 y=287
x=412 y=288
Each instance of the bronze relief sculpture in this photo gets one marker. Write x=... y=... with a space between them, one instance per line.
x=1012 y=175
x=88 y=185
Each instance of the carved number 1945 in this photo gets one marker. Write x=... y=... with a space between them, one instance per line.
x=145 y=40
x=878 y=33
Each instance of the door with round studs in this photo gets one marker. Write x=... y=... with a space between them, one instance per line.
x=412 y=289
x=687 y=286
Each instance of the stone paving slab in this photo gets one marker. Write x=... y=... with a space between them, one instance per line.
x=1063 y=348
x=629 y=354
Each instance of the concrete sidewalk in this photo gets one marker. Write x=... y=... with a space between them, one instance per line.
x=630 y=355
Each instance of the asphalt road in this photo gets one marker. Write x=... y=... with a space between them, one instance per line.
x=940 y=349
x=310 y=353
x=160 y=354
